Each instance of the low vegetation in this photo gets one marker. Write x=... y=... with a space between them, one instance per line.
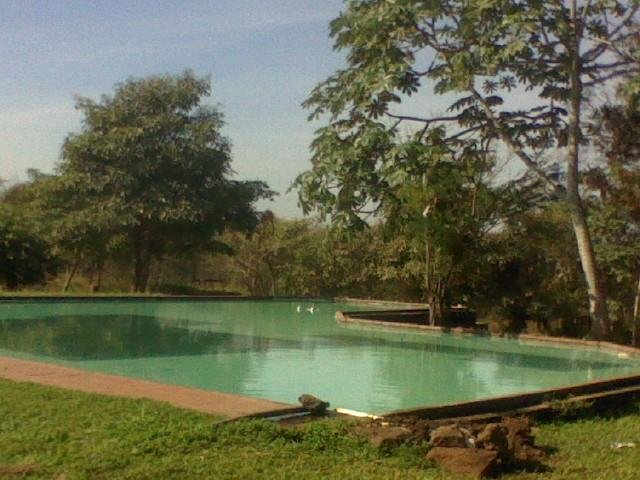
x=55 y=434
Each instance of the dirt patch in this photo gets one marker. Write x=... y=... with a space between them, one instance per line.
x=18 y=470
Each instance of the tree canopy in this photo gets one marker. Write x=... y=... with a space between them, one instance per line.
x=480 y=55
x=151 y=164
x=26 y=257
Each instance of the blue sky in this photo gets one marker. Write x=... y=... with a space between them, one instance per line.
x=264 y=56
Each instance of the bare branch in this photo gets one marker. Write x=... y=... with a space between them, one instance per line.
x=515 y=147
x=604 y=66
x=612 y=46
x=465 y=132
x=616 y=74
x=423 y=120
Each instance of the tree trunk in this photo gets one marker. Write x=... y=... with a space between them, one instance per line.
x=141 y=273
x=72 y=272
x=436 y=308
x=137 y=263
x=597 y=296
x=636 y=315
x=142 y=259
x=435 y=285
x=272 y=278
x=195 y=262
x=160 y=271
x=427 y=263
x=96 y=276
x=11 y=281
x=598 y=313
x=146 y=269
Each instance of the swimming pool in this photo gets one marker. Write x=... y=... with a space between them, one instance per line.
x=269 y=349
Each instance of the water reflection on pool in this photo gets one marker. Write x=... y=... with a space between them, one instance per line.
x=268 y=349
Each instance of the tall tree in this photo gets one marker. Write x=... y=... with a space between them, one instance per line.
x=151 y=163
x=483 y=55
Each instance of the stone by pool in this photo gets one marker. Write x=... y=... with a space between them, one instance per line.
x=267 y=349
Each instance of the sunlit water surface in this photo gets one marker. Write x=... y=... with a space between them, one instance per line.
x=268 y=349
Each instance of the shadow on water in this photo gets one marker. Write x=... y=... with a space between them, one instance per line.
x=108 y=337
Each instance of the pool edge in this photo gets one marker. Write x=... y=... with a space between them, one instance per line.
x=206 y=401
x=345 y=317
x=517 y=401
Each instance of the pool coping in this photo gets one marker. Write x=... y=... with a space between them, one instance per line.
x=206 y=401
x=517 y=401
x=344 y=317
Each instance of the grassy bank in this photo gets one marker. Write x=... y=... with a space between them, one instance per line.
x=70 y=435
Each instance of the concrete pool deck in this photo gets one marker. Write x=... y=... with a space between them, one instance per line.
x=206 y=401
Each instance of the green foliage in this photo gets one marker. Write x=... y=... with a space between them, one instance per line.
x=277 y=259
x=464 y=49
x=616 y=213
x=476 y=53
x=25 y=256
x=307 y=258
x=151 y=165
x=443 y=218
x=530 y=280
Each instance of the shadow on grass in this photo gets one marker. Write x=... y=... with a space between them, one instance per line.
x=567 y=411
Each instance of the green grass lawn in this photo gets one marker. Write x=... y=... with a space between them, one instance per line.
x=70 y=435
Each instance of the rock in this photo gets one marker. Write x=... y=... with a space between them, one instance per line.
x=494 y=437
x=447 y=436
x=530 y=456
x=384 y=435
x=469 y=461
x=387 y=437
x=469 y=439
x=421 y=431
x=420 y=428
x=519 y=432
x=313 y=404
x=517 y=425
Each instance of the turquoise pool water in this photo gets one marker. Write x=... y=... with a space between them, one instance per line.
x=270 y=350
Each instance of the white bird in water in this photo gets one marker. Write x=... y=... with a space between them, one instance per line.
x=311 y=309
x=299 y=308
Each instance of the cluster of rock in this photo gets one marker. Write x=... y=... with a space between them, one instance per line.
x=475 y=449
x=485 y=449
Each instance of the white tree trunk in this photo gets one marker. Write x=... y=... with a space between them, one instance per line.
x=597 y=297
